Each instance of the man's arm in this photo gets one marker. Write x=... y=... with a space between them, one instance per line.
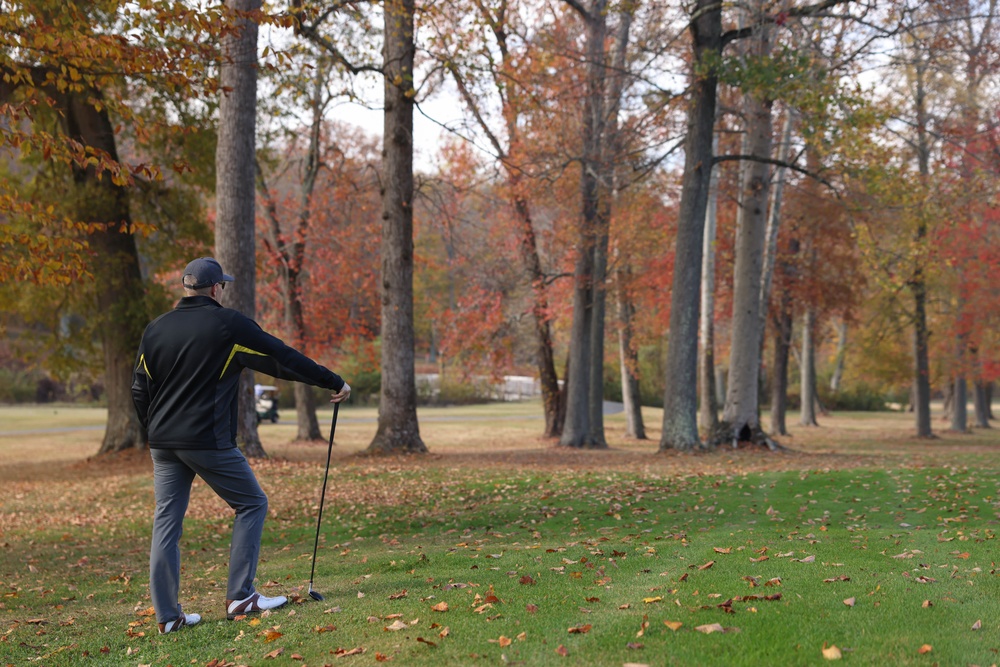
x=140 y=388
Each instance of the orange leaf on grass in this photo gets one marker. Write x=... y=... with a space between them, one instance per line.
x=706 y=565
x=831 y=652
x=531 y=608
x=274 y=654
x=271 y=635
x=673 y=625
x=580 y=629
x=381 y=657
x=504 y=641
x=926 y=648
x=526 y=580
x=440 y=606
x=562 y=650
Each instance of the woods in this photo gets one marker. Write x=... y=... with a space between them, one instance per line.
x=714 y=210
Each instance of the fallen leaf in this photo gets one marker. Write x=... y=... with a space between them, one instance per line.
x=399 y=595
x=580 y=629
x=658 y=598
x=324 y=628
x=643 y=626
x=635 y=646
x=831 y=652
x=271 y=635
x=274 y=654
x=444 y=633
x=526 y=580
x=531 y=608
x=562 y=651
x=521 y=637
x=673 y=625
x=773 y=582
x=807 y=559
x=396 y=625
x=710 y=628
x=381 y=657
x=706 y=565
x=926 y=604
x=835 y=579
x=625 y=606
x=343 y=652
x=926 y=648
x=440 y=606
x=504 y=641
x=849 y=602
x=726 y=550
x=424 y=641
x=296 y=656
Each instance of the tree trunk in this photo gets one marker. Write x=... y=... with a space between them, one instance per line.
x=629 y=361
x=807 y=369
x=118 y=280
x=742 y=400
x=841 y=356
x=779 y=383
x=774 y=220
x=680 y=400
x=235 y=229
x=398 y=430
x=960 y=407
x=708 y=406
x=584 y=425
x=544 y=355
x=981 y=398
x=918 y=285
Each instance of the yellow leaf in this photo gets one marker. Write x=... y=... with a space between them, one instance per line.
x=673 y=625
x=440 y=606
x=658 y=598
x=831 y=652
x=504 y=641
x=710 y=628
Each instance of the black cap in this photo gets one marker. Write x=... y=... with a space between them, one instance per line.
x=206 y=272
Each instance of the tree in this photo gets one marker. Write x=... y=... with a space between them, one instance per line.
x=235 y=229
x=398 y=430
x=680 y=403
x=511 y=87
x=66 y=66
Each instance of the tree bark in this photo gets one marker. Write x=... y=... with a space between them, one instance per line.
x=807 y=369
x=981 y=398
x=960 y=407
x=741 y=411
x=918 y=284
x=398 y=431
x=708 y=406
x=629 y=361
x=119 y=302
x=680 y=400
x=841 y=356
x=782 y=348
x=584 y=427
x=544 y=354
x=235 y=228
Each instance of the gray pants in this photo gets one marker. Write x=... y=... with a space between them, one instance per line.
x=230 y=476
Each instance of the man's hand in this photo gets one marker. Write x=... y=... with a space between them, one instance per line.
x=342 y=395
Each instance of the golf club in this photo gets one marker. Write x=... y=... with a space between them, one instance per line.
x=322 y=496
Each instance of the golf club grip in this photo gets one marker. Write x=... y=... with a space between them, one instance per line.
x=322 y=495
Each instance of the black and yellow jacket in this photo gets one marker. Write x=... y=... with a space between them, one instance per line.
x=188 y=368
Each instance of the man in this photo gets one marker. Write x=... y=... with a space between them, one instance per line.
x=184 y=388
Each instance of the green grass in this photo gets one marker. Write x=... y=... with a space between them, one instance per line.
x=524 y=553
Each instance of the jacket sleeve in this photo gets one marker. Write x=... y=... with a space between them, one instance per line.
x=260 y=351
x=140 y=387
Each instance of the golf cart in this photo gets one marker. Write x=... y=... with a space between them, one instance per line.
x=267 y=402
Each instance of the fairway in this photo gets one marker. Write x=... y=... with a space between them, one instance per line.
x=500 y=548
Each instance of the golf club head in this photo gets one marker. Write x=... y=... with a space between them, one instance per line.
x=315 y=596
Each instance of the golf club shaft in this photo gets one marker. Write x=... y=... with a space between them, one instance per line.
x=322 y=495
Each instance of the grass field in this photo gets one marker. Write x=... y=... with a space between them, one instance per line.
x=499 y=548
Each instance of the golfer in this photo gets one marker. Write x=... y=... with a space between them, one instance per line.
x=184 y=387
